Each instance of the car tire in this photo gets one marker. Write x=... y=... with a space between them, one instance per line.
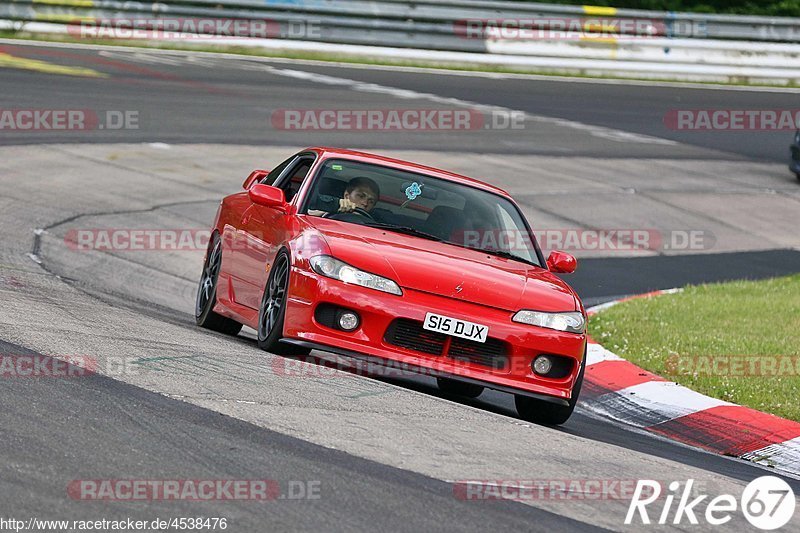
x=797 y=175
x=206 y=299
x=548 y=413
x=272 y=311
x=459 y=388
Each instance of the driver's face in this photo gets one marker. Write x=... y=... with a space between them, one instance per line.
x=363 y=197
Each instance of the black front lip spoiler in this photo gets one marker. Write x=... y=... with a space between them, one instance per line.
x=422 y=370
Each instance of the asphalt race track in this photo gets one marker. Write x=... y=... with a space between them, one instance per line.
x=172 y=401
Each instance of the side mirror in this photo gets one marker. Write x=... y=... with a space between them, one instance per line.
x=268 y=196
x=254 y=177
x=561 y=262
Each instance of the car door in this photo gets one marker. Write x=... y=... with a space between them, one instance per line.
x=263 y=231
x=233 y=236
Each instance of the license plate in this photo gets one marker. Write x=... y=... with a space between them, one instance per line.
x=455 y=327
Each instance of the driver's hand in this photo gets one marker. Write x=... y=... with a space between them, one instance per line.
x=346 y=206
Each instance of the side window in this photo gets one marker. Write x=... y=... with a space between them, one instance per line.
x=512 y=233
x=293 y=178
x=276 y=172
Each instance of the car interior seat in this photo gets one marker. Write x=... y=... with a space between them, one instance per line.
x=330 y=187
x=444 y=221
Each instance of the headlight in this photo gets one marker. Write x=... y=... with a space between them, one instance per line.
x=571 y=322
x=333 y=268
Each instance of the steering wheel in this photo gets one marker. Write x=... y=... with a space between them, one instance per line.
x=357 y=215
x=363 y=213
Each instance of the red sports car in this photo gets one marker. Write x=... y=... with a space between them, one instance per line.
x=399 y=264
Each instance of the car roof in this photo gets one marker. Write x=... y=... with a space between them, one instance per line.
x=327 y=152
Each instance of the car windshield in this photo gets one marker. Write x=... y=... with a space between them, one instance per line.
x=421 y=205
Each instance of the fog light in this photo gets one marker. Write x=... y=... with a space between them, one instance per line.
x=348 y=321
x=542 y=365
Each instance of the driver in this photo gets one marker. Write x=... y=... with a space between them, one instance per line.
x=360 y=193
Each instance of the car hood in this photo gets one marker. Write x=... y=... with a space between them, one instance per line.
x=447 y=270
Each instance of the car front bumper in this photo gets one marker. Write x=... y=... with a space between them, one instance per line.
x=377 y=311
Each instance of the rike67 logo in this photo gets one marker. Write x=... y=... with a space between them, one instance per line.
x=767 y=502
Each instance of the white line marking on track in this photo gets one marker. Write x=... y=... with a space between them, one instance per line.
x=406 y=94
x=783 y=456
x=401 y=68
x=669 y=399
x=595 y=353
x=597 y=131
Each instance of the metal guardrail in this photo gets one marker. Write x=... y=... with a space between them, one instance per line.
x=426 y=24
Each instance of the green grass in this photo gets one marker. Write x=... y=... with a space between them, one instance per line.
x=340 y=58
x=680 y=336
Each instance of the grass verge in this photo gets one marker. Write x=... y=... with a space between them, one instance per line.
x=737 y=341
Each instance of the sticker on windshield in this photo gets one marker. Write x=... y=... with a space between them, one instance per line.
x=413 y=190
x=336 y=167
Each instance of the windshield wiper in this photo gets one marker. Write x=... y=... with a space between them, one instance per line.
x=503 y=254
x=407 y=230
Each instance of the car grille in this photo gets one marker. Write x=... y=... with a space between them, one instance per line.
x=410 y=334
x=490 y=353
